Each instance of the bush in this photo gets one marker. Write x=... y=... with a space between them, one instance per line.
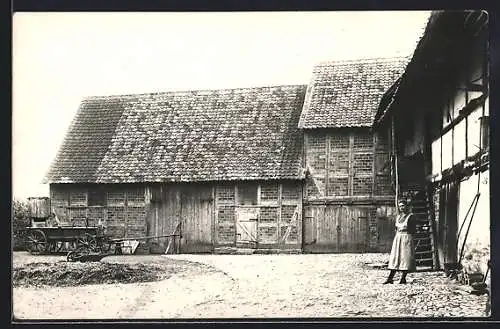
x=20 y=220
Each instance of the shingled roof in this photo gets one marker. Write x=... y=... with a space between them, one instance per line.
x=347 y=93
x=211 y=135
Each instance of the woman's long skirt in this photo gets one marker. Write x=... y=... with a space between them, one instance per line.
x=402 y=253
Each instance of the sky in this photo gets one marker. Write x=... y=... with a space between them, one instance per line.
x=60 y=58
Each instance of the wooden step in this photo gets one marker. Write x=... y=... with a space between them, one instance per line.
x=421 y=260
x=421 y=233
x=423 y=252
x=422 y=238
x=424 y=247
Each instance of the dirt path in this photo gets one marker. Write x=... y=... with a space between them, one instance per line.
x=329 y=286
x=238 y=286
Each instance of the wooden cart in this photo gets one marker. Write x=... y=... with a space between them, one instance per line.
x=48 y=234
x=42 y=240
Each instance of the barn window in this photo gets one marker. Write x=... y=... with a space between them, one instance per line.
x=269 y=192
x=135 y=197
x=116 y=198
x=78 y=197
x=247 y=194
x=97 y=196
x=156 y=193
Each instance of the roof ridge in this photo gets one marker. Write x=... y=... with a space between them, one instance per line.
x=364 y=60
x=189 y=91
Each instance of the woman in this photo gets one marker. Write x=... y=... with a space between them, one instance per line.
x=403 y=249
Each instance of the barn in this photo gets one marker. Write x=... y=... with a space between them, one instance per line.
x=349 y=196
x=291 y=168
x=221 y=166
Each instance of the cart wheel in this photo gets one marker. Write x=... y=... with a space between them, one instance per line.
x=72 y=256
x=87 y=240
x=37 y=241
x=75 y=255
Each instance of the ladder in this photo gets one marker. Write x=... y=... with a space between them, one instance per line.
x=425 y=251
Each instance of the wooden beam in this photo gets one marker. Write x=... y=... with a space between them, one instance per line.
x=278 y=224
x=235 y=214
x=466 y=131
x=465 y=111
x=214 y=214
x=374 y=152
x=396 y=180
x=475 y=87
x=350 y=178
x=327 y=164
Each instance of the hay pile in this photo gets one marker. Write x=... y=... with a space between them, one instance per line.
x=63 y=274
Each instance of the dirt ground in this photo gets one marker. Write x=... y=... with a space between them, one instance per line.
x=251 y=286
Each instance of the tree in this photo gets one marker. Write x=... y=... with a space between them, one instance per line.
x=20 y=220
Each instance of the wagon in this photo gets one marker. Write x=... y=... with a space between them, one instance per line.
x=49 y=234
x=56 y=239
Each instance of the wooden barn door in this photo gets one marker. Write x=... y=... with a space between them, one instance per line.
x=335 y=228
x=353 y=229
x=162 y=217
x=320 y=228
x=197 y=217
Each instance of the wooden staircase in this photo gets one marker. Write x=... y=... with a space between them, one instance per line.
x=424 y=237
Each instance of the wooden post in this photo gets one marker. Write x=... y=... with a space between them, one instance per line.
x=374 y=152
x=125 y=212
x=235 y=215
x=258 y=216
x=278 y=227
x=214 y=214
x=178 y=215
x=327 y=164
x=350 y=176
x=396 y=180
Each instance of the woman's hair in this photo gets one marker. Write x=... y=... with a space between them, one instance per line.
x=405 y=201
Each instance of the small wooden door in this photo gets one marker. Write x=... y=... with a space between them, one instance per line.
x=450 y=212
x=246 y=227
